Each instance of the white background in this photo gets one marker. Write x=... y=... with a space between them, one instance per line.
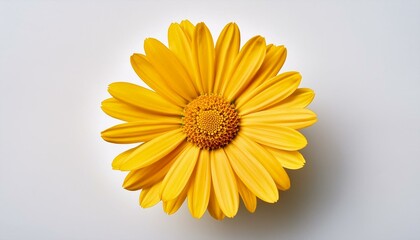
x=362 y=176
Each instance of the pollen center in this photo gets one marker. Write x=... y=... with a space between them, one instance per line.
x=210 y=122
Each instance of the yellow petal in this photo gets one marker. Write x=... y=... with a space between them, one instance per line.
x=246 y=64
x=301 y=98
x=122 y=157
x=214 y=209
x=199 y=192
x=125 y=112
x=227 y=48
x=269 y=162
x=249 y=198
x=188 y=28
x=288 y=159
x=140 y=131
x=255 y=91
x=180 y=45
x=153 y=150
x=203 y=54
x=179 y=173
x=224 y=183
x=295 y=118
x=150 y=196
x=170 y=68
x=172 y=206
x=269 y=93
x=251 y=172
x=143 y=99
x=153 y=78
x=152 y=174
x=277 y=137
x=274 y=59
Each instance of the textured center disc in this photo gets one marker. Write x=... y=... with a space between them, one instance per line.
x=210 y=122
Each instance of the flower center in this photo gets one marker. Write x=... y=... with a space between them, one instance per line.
x=210 y=122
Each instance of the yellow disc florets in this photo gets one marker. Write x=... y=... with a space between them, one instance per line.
x=210 y=122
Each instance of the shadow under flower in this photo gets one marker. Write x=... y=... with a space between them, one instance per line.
x=308 y=201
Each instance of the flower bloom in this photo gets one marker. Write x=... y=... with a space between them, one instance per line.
x=220 y=124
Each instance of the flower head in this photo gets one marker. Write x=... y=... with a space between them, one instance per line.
x=220 y=123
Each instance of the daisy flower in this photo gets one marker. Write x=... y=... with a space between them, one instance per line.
x=219 y=125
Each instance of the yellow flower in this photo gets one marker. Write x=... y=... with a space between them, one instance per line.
x=220 y=124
